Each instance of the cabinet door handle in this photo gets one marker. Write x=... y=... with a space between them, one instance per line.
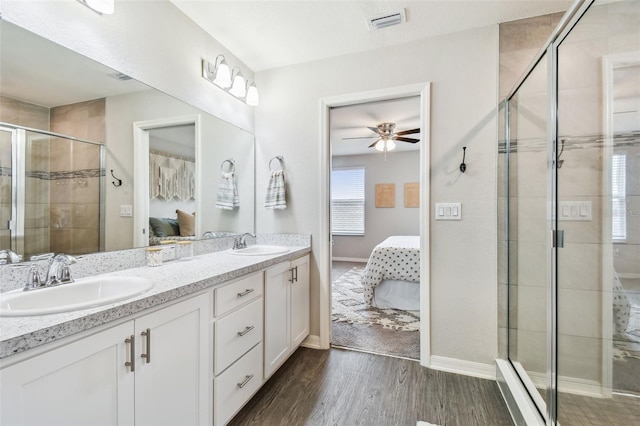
x=246 y=330
x=296 y=274
x=291 y=279
x=245 y=381
x=247 y=291
x=147 y=334
x=131 y=341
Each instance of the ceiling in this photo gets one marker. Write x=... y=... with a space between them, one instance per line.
x=269 y=34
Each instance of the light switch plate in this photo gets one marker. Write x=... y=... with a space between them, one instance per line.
x=448 y=211
x=574 y=210
x=126 y=211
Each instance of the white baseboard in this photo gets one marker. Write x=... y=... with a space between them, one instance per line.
x=311 y=342
x=629 y=275
x=349 y=259
x=459 y=366
x=571 y=385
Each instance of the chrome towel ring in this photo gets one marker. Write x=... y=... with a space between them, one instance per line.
x=280 y=159
x=232 y=165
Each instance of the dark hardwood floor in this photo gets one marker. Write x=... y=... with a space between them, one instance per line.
x=339 y=387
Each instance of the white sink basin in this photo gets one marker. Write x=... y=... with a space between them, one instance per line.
x=259 y=250
x=81 y=294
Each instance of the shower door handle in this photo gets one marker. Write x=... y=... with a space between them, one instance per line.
x=558 y=238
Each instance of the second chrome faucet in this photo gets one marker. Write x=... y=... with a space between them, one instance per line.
x=58 y=272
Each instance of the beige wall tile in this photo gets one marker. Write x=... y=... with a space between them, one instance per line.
x=61 y=191
x=61 y=240
x=85 y=216
x=85 y=241
x=86 y=190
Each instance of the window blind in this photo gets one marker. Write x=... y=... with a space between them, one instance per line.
x=347 y=201
x=618 y=197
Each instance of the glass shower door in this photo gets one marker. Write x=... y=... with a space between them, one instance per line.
x=6 y=187
x=529 y=232
x=598 y=188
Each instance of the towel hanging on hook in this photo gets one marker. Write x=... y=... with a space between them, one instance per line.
x=276 y=197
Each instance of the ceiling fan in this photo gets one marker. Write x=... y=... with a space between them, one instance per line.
x=386 y=136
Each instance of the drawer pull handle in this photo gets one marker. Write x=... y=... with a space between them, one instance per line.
x=247 y=291
x=131 y=341
x=246 y=330
x=245 y=381
x=147 y=334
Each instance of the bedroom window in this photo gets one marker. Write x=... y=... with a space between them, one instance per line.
x=618 y=197
x=347 y=201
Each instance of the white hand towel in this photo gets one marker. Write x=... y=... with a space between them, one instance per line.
x=276 y=195
x=227 y=192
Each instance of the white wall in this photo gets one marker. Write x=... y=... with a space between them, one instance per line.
x=380 y=223
x=463 y=70
x=151 y=41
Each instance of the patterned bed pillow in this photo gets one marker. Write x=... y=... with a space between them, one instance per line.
x=164 y=227
x=621 y=305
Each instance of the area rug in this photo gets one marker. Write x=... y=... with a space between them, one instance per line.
x=349 y=306
x=369 y=329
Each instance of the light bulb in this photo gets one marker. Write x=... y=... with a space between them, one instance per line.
x=252 y=95
x=238 y=89
x=391 y=145
x=380 y=145
x=223 y=75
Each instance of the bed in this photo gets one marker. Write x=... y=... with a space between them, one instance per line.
x=391 y=278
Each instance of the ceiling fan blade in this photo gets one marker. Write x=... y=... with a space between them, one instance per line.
x=360 y=137
x=374 y=144
x=408 y=132
x=410 y=140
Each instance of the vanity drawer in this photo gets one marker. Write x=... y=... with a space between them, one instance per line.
x=236 y=333
x=235 y=386
x=231 y=296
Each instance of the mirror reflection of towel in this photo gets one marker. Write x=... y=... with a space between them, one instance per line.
x=276 y=194
x=227 y=192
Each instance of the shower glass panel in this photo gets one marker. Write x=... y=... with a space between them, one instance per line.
x=6 y=195
x=598 y=195
x=529 y=229
x=55 y=199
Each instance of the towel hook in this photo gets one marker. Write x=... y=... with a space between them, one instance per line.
x=113 y=182
x=280 y=159
x=463 y=166
x=232 y=165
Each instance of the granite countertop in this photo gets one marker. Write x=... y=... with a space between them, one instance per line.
x=172 y=280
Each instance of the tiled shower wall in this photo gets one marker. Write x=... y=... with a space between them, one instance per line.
x=75 y=177
x=519 y=42
x=63 y=176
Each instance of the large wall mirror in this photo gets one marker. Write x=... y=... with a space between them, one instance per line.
x=91 y=160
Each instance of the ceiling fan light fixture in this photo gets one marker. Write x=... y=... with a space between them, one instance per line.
x=391 y=145
x=380 y=145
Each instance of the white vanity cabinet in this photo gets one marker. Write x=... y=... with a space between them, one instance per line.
x=152 y=370
x=286 y=311
x=238 y=335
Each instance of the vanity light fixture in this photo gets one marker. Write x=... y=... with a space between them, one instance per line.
x=239 y=88
x=252 y=95
x=232 y=82
x=103 y=7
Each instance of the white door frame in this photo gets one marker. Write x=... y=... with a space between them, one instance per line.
x=324 y=254
x=141 y=172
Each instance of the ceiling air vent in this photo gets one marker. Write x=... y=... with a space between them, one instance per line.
x=120 y=76
x=386 y=20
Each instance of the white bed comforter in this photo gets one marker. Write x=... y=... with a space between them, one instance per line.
x=396 y=258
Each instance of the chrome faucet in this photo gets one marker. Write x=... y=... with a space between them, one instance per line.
x=241 y=241
x=8 y=256
x=209 y=234
x=58 y=271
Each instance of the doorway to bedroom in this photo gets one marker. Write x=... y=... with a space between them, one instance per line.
x=375 y=226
